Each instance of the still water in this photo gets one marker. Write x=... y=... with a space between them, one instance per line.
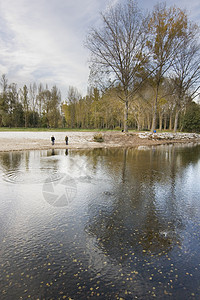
x=100 y=224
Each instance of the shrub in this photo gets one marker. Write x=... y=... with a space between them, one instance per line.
x=98 y=137
x=191 y=119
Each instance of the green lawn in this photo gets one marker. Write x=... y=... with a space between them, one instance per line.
x=68 y=129
x=44 y=129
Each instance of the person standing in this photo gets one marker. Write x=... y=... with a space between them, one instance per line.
x=52 y=140
x=66 y=140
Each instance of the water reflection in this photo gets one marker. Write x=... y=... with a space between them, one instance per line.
x=131 y=229
x=10 y=160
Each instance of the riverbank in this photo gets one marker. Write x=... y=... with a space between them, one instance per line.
x=18 y=141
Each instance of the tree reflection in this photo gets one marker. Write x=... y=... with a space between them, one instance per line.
x=144 y=217
x=10 y=160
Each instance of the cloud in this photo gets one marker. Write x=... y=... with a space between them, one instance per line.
x=42 y=40
x=192 y=6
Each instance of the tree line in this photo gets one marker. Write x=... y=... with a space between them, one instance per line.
x=144 y=74
x=33 y=106
x=99 y=110
x=38 y=106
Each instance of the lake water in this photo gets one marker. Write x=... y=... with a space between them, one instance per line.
x=100 y=224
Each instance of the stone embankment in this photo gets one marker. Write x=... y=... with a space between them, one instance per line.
x=169 y=136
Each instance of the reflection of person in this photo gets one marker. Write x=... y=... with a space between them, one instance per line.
x=66 y=152
x=52 y=140
x=66 y=140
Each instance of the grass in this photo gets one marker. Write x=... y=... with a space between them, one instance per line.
x=4 y=129
x=45 y=129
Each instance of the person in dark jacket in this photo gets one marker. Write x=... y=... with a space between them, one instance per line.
x=66 y=140
x=52 y=140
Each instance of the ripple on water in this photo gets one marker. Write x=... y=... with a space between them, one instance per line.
x=31 y=176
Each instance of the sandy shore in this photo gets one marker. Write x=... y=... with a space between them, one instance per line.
x=81 y=140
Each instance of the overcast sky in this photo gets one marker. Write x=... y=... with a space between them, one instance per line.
x=42 y=40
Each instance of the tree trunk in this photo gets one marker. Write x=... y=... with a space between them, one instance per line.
x=170 y=121
x=165 y=122
x=160 y=121
x=126 y=116
x=138 y=126
x=176 y=120
x=153 y=127
x=148 y=122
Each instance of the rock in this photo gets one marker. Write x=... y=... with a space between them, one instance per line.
x=168 y=136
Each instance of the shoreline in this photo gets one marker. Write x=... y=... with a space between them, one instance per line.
x=84 y=140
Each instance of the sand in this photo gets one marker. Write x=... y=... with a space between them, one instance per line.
x=82 y=140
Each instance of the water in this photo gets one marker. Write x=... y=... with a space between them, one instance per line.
x=100 y=224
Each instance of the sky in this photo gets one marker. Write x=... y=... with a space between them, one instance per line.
x=42 y=41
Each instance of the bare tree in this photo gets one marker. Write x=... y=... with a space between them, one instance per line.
x=118 y=49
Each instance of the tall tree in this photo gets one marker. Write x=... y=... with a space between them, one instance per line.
x=33 y=98
x=117 y=49
x=186 y=75
x=3 y=100
x=95 y=106
x=25 y=103
x=13 y=101
x=166 y=31
x=46 y=106
x=54 y=115
x=73 y=98
x=39 y=99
